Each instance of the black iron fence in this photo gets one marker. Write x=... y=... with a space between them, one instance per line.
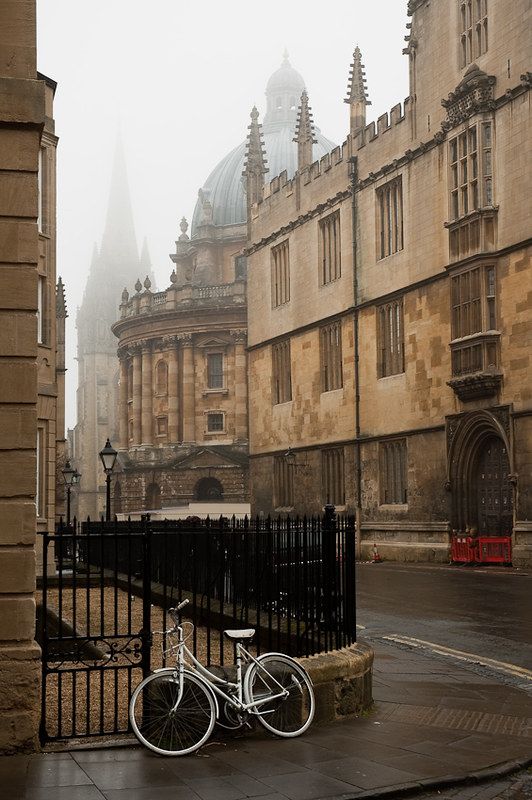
x=107 y=586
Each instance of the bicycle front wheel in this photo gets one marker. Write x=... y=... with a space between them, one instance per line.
x=167 y=731
x=271 y=675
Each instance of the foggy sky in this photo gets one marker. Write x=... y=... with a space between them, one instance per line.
x=179 y=80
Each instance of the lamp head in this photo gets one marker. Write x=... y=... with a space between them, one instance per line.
x=108 y=456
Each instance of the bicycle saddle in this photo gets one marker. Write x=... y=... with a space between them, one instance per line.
x=247 y=633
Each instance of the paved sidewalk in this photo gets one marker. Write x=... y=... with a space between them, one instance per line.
x=434 y=724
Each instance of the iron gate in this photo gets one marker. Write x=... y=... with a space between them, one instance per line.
x=94 y=627
x=106 y=587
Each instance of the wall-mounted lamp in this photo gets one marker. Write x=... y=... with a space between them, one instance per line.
x=291 y=460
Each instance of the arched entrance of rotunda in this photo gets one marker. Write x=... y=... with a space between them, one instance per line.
x=208 y=489
x=480 y=475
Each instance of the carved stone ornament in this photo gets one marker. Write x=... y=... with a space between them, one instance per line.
x=480 y=384
x=239 y=335
x=147 y=283
x=125 y=295
x=500 y=414
x=173 y=278
x=138 y=286
x=184 y=228
x=473 y=94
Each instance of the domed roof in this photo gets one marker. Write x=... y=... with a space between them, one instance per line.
x=285 y=77
x=224 y=188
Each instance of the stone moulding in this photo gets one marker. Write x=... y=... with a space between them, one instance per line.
x=342 y=681
x=480 y=384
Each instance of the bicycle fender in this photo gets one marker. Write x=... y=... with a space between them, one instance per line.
x=207 y=685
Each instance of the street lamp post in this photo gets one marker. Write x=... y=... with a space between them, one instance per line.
x=71 y=477
x=108 y=456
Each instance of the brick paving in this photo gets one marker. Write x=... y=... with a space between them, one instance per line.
x=438 y=730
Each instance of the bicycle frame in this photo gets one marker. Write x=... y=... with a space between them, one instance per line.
x=236 y=702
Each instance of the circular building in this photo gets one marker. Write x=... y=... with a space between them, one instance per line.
x=183 y=373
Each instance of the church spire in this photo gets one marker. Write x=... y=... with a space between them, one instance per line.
x=357 y=96
x=118 y=251
x=255 y=164
x=304 y=133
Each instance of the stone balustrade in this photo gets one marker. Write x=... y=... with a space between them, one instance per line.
x=186 y=296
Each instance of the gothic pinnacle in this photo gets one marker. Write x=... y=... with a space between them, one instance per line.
x=357 y=89
x=255 y=164
x=304 y=133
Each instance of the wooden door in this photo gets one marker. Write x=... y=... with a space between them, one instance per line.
x=493 y=489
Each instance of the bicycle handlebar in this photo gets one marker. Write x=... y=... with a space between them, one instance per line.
x=174 y=612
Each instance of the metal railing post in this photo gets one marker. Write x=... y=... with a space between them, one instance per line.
x=146 y=597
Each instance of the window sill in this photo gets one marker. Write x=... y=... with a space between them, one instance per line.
x=215 y=433
x=330 y=392
x=390 y=255
x=393 y=375
x=284 y=403
x=393 y=507
x=479 y=336
x=222 y=391
x=325 y=284
x=283 y=509
x=471 y=215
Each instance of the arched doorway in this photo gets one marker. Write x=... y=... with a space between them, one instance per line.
x=209 y=489
x=493 y=489
x=480 y=476
x=153 y=496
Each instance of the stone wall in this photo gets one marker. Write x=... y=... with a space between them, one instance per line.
x=22 y=114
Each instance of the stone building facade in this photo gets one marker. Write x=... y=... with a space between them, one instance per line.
x=391 y=376
x=183 y=368
x=31 y=362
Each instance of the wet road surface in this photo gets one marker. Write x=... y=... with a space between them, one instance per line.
x=482 y=611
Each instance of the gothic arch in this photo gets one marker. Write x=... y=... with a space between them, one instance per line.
x=473 y=433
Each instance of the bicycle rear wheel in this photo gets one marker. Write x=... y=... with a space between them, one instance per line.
x=285 y=716
x=159 y=727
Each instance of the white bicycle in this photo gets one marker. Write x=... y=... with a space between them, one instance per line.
x=174 y=710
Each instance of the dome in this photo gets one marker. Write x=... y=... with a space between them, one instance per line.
x=224 y=188
x=286 y=77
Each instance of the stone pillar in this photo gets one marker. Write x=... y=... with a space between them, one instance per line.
x=241 y=386
x=122 y=402
x=171 y=343
x=147 y=395
x=137 y=395
x=188 y=384
x=22 y=115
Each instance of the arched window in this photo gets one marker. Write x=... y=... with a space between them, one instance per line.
x=161 y=377
x=209 y=489
x=153 y=497
x=279 y=103
x=130 y=383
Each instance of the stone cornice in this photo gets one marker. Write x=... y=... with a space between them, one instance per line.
x=301 y=220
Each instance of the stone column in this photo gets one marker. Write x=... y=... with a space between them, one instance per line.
x=241 y=386
x=122 y=402
x=137 y=395
x=188 y=384
x=172 y=343
x=147 y=395
x=22 y=116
